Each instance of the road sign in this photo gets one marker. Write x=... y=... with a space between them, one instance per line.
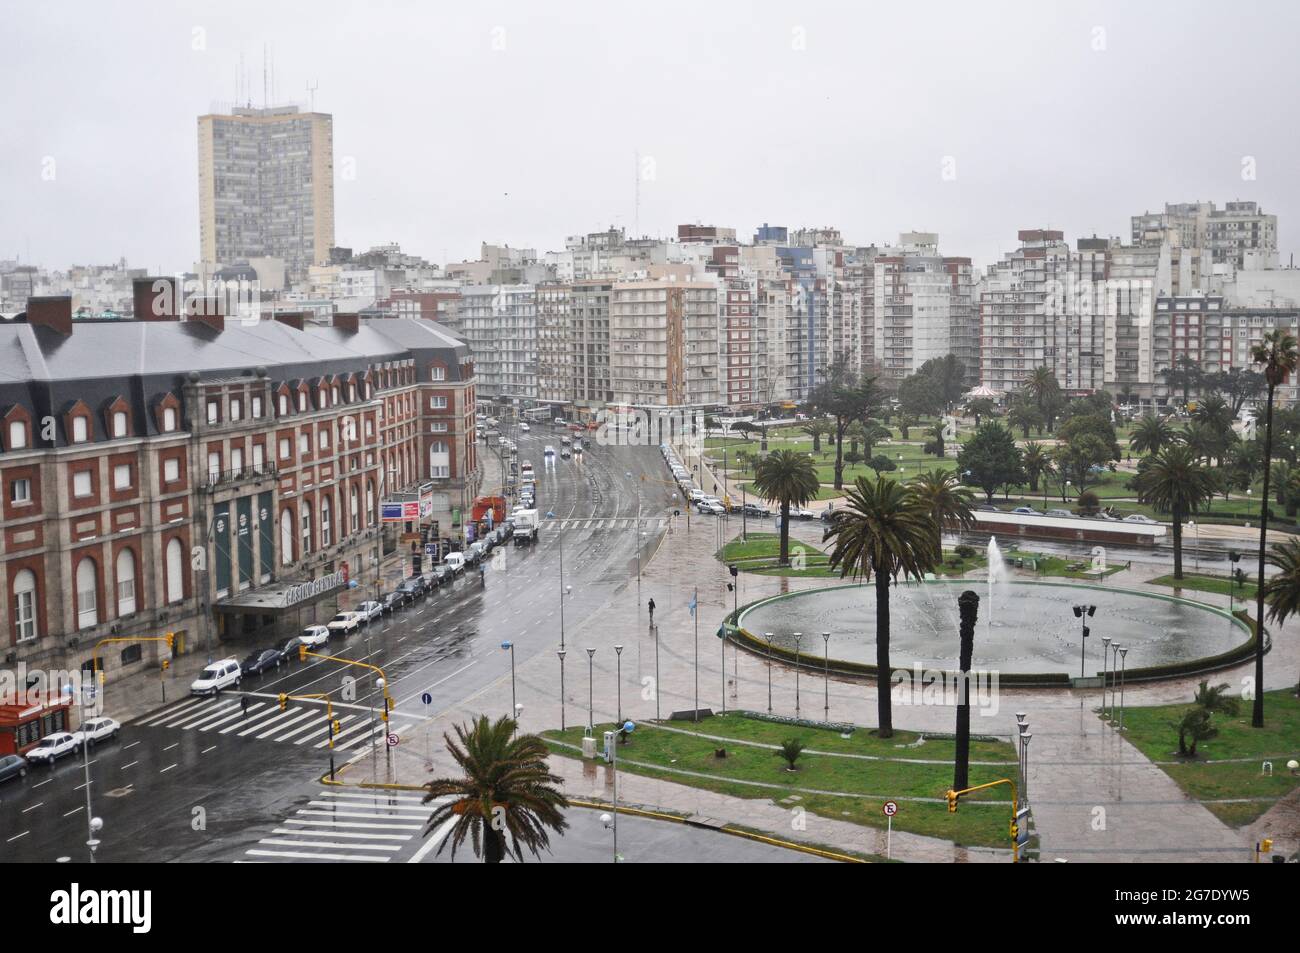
x=392 y=739
x=427 y=698
x=890 y=808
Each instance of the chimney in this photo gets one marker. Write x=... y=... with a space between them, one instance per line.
x=154 y=299
x=206 y=311
x=291 y=318
x=53 y=312
x=348 y=322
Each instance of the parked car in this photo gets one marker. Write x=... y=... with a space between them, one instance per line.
x=704 y=507
x=12 y=766
x=218 y=675
x=369 y=611
x=753 y=509
x=96 y=730
x=314 y=636
x=987 y=508
x=802 y=514
x=413 y=587
x=431 y=579
x=289 y=649
x=443 y=573
x=1061 y=514
x=394 y=600
x=53 y=747
x=524 y=428
x=1140 y=518
x=1025 y=511
x=260 y=661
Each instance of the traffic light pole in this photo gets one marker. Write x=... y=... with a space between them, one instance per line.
x=952 y=797
x=331 y=726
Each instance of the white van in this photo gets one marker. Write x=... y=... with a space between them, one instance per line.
x=218 y=675
x=455 y=562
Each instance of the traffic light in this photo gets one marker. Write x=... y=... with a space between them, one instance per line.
x=166 y=664
x=103 y=676
x=1015 y=831
x=284 y=701
x=952 y=802
x=171 y=641
x=733 y=570
x=335 y=725
x=302 y=653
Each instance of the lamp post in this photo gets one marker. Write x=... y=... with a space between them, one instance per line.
x=1024 y=760
x=1123 y=659
x=768 y=637
x=826 y=671
x=1022 y=725
x=591 y=725
x=1083 y=613
x=1196 y=557
x=510 y=646
x=798 y=638
x=561 y=653
x=655 y=631
x=618 y=679
x=1105 y=656
x=1234 y=557
x=611 y=821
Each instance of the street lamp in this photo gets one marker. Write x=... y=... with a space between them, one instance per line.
x=561 y=653
x=768 y=637
x=1196 y=558
x=1083 y=613
x=609 y=821
x=1123 y=659
x=798 y=638
x=591 y=725
x=510 y=646
x=826 y=661
x=1024 y=760
x=618 y=664
x=1105 y=657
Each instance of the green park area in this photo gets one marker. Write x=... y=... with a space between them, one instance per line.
x=1205 y=582
x=845 y=776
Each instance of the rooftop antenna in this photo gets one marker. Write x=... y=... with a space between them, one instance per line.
x=264 y=79
x=636 y=213
x=311 y=93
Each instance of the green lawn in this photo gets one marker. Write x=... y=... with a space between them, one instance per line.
x=861 y=785
x=1204 y=582
x=1152 y=731
x=1058 y=566
x=760 y=552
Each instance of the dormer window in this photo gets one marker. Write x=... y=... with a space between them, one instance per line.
x=169 y=419
x=80 y=429
x=302 y=402
x=119 y=424
x=17 y=434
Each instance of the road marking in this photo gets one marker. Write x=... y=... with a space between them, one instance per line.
x=433 y=841
x=320 y=730
x=353 y=816
x=74 y=811
x=398 y=827
x=131 y=745
x=169 y=747
x=347 y=731
x=131 y=765
x=34 y=806
x=276 y=842
x=297 y=718
x=16 y=836
x=206 y=750
x=169 y=711
x=359 y=835
x=166 y=769
x=302 y=855
x=42 y=783
x=231 y=717
x=373 y=807
x=416 y=798
x=281 y=715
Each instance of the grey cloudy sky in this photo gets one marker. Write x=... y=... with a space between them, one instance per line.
x=1071 y=115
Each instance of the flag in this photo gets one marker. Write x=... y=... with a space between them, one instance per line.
x=692 y=606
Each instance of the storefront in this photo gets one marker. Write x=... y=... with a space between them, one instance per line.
x=272 y=613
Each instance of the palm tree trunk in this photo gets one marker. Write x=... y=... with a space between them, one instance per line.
x=839 y=458
x=785 y=533
x=1257 y=712
x=884 y=713
x=1178 y=544
x=494 y=845
x=968 y=606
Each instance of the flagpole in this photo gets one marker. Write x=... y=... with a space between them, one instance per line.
x=695 y=612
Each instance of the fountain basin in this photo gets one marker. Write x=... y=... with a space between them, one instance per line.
x=1033 y=639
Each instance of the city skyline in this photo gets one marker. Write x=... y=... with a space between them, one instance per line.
x=944 y=157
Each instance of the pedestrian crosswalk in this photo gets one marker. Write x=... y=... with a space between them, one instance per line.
x=647 y=523
x=353 y=825
x=262 y=720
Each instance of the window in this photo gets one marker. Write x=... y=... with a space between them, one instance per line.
x=169 y=419
x=370 y=428
x=87 y=595
x=302 y=401
x=81 y=483
x=175 y=572
x=214 y=466
x=355 y=507
x=306 y=527
x=438 y=373
x=284 y=448
x=325 y=521
x=25 y=605
x=236 y=460
x=437 y=403
x=258 y=458
x=213 y=411
x=17 y=435
x=438 y=426
x=324 y=440
x=334 y=395
x=122 y=476
x=171 y=470
x=304 y=443
x=439 y=459
x=236 y=408
x=119 y=423
x=125 y=582
x=257 y=408
x=286 y=537
x=81 y=428
x=20 y=491
x=370 y=498
x=284 y=405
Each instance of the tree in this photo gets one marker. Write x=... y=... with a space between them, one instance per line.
x=1214 y=412
x=1023 y=415
x=1196 y=725
x=1151 y=434
x=1238 y=385
x=789 y=751
x=1282 y=589
x=905 y=424
x=815 y=429
x=881 y=463
x=506 y=790
x=1215 y=698
x=1278 y=355
x=990 y=459
x=1042 y=386
x=946 y=500
x=1036 y=462
x=788 y=479
x=980 y=408
x=745 y=428
x=1175 y=482
x=853 y=458
x=847 y=400
x=921 y=395
x=1184 y=375
x=884 y=529
x=951 y=375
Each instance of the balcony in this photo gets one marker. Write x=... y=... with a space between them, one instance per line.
x=216 y=479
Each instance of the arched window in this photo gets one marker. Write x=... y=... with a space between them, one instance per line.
x=286 y=537
x=125 y=582
x=306 y=528
x=17 y=434
x=87 y=594
x=169 y=419
x=370 y=499
x=119 y=424
x=325 y=521
x=175 y=571
x=355 y=510
x=25 y=605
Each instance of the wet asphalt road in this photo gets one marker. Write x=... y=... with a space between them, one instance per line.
x=201 y=779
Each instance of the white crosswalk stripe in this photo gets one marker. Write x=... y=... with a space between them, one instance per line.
x=351 y=826
x=264 y=721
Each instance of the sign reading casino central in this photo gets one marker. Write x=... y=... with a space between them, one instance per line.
x=306 y=590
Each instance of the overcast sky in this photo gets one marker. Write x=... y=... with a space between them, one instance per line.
x=520 y=123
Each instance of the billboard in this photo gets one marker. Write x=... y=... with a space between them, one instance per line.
x=400 y=512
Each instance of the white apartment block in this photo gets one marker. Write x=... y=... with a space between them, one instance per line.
x=664 y=343
x=499 y=323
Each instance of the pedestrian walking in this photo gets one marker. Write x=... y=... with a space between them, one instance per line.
x=651 y=606
x=243 y=706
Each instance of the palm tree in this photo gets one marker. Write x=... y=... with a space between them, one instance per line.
x=1175 y=482
x=1151 y=434
x=905 y=424
x=1203 y=440
x=1282 y=589
x=1215 y=412
x=885 y=529
x=1041 y=385
x=1277 y=352
x=815 y=429
x=1037 y=462
x=789 y=479
x=506 y=789
x=946 y=500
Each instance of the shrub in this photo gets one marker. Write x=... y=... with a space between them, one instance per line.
x=790 y=750
x=964 y=551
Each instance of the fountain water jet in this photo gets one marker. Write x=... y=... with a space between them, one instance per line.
x=997 y=574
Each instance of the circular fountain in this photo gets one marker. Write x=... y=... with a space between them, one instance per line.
x=1027 y=631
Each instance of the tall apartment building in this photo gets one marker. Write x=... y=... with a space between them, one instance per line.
x=266 y=187
x=589 y=343
x=1017 y=334
x=663 y=339
x=1235 y=235
x=267 y=447
x=554 y=347
x=499 y=323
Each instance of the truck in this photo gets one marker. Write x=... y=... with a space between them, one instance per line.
x=526 y=523
x=496 y=504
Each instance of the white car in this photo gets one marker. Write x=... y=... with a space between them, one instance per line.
x=314 y=635
x=52 y=747
x=524 y=428
x=97 y=729
x=1139 y=518
x=344 y=622
x=370 y=611
x=218 y=675
x=713 y=509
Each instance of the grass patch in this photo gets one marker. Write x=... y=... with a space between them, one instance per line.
x=761 y=551
x=1060 y=566
x=1205 y=582
x=1151 y=731
x=864 y=784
